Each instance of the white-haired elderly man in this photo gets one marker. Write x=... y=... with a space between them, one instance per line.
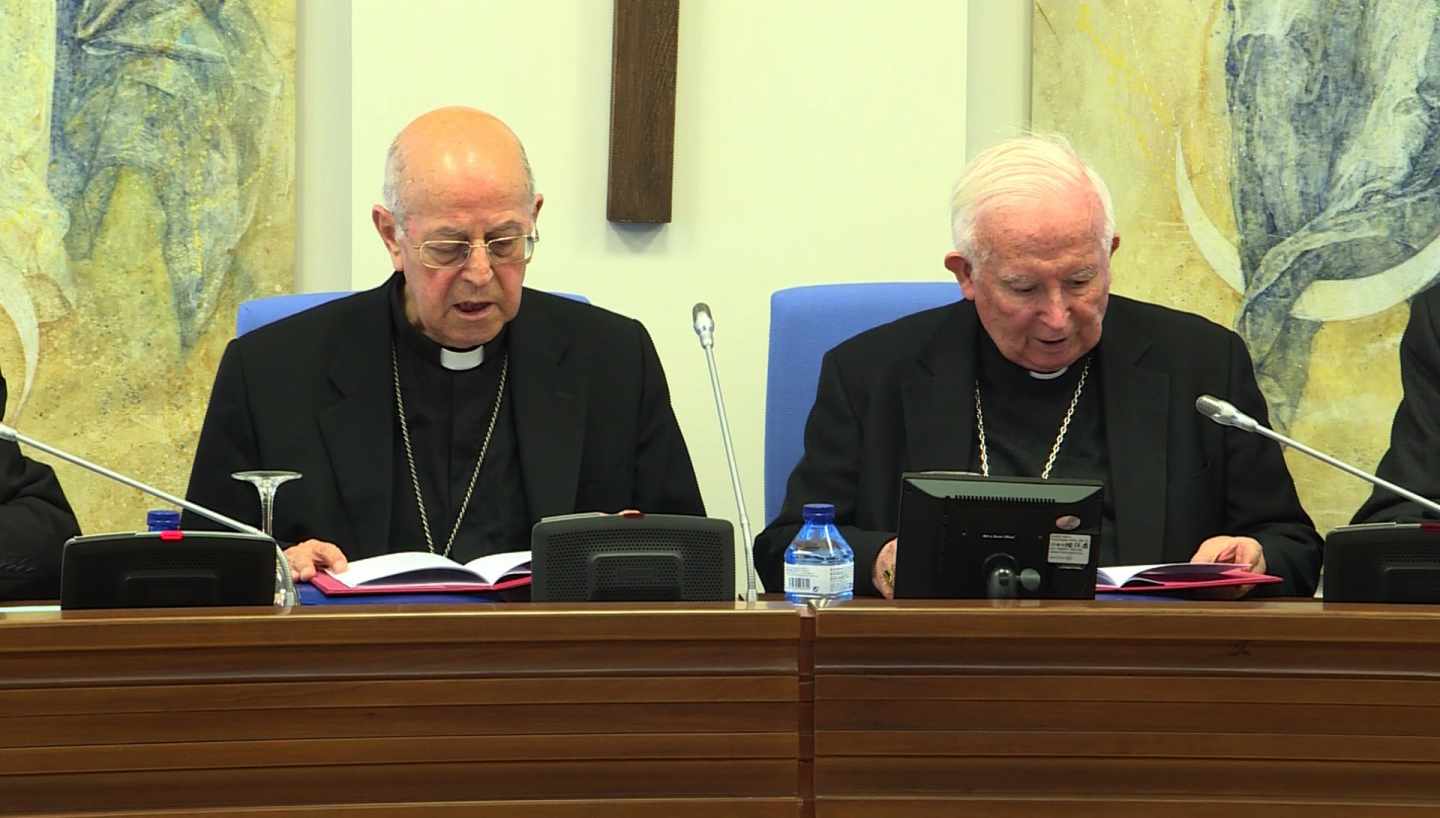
x=450 y=408
x=1042 y=358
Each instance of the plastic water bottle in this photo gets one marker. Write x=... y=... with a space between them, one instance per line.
x=819 y=564
x=162 y=519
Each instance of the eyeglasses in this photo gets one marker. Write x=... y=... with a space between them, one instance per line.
x=440 y=254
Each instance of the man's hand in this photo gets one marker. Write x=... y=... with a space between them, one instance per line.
x=310 y=556
x=1245 y=552
x=883 y=574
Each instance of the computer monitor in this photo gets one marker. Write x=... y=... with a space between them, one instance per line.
x=971 y=537
x=1383 y=562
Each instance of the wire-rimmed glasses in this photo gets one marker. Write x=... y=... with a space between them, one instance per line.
x=442 y=254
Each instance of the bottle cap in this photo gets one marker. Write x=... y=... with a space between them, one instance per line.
x=162 y=519
x=821 y=512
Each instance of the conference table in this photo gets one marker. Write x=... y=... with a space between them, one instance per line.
x=870 y=708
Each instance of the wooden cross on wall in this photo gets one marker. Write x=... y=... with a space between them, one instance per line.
x=642 y=111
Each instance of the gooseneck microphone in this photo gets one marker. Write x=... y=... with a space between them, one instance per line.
x=705 y=329
x=8 y=433
x=1225 y=414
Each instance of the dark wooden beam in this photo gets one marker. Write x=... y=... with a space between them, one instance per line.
x=642 y=111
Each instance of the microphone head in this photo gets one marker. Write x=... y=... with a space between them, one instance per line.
x=704 y=323
x=1224 y=413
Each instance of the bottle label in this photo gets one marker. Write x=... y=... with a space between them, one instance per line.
x=820 y=580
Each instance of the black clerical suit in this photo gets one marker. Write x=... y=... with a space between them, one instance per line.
x=1413 y=459
x=448 y=410
x=35 y=522
x=901 y=397
x=593 y=429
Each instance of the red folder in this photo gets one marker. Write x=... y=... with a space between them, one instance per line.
x=334 y=587
x=1177 y=577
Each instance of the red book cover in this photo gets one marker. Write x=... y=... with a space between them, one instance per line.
x=420 y=572
x=1175 y=576
x=334 y=587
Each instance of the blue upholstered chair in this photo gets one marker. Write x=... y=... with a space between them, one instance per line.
x=257 y=312
x=805 y=322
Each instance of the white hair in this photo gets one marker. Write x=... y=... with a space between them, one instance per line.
x=1025 y=168
x=392 y=194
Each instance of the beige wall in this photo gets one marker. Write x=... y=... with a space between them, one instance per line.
x=997 y=59
x=322 y=145
x=809 y=147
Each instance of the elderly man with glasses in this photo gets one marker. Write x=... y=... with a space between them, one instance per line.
x=1017 y=381
x=433 y=412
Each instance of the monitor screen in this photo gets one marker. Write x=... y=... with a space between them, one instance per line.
x=971 y=537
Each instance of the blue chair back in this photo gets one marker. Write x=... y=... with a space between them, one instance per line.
x=257 y=312
x=805 y=323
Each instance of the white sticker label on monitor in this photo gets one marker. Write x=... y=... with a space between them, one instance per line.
x=1070 y=549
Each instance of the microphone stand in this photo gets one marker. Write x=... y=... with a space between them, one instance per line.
x=1226 y=414
x=705 y=328
x=10 y=434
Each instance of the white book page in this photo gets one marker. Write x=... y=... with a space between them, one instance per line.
x=388 y=566
x=494 y=566
x=1118 y=575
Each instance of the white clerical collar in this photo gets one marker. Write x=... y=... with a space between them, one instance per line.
x=462 y=361
x=1048 y=376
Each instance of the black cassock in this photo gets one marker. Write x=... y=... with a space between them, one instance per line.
x=448 y=412
x=35 y=522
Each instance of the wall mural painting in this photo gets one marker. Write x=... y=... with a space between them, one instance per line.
x=146 y=188
x=1274 y=165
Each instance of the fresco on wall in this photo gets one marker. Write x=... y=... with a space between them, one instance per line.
x=146 y=176
x=1274 y=166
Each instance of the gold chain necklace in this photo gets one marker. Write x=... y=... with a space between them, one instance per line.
x=410 y=455
x=1059 y=438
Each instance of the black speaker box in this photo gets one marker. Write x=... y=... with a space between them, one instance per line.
x=167 y=569
x=1383 y=562
x=651 y=557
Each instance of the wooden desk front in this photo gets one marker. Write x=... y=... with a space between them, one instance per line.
x=473 y=711
x=1106 y=708
x=907 y=709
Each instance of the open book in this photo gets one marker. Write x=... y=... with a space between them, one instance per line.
x=1176 y=576
x=412 y=572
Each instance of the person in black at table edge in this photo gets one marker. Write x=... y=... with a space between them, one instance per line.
x=35 y=522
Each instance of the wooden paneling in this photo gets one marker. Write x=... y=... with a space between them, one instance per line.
x=1193 y=710
x=394 y=709
x=1209 y=807
x=282 y=784
x=642 y=111
x=614 y=808
x=1099 y=708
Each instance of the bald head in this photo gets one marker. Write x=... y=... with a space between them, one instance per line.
x=458 y=176
x=448 y=146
